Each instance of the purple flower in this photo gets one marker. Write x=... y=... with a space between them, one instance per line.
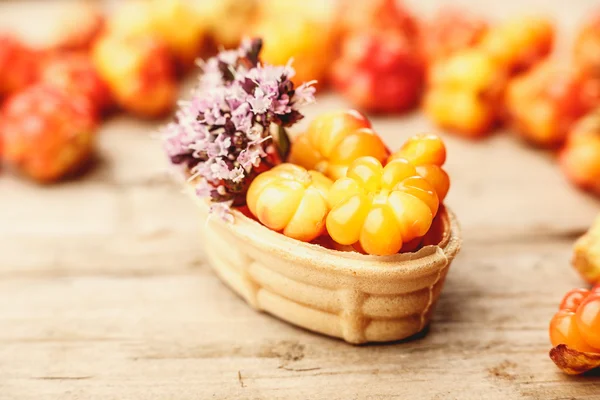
x=260 y=102
x=242 y=117
x=219 y=169
x=203 y=188
x=211 y=106
x=223 y=133
x=237 y=174
x=304 y=94
x=202 y=169
x=220 y=147
x=251 y=156
x=175 y=140
x=222 y=211
x=282 y=105
x=271 y=73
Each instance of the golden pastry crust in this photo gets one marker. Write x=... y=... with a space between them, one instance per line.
x=358 y=298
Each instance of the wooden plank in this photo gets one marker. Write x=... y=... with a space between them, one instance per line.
x=104 y=292
x=155 y=336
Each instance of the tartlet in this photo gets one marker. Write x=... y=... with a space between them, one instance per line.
x=348 y=295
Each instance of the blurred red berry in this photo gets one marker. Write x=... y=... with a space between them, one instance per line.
x=589 y=90
x=47 y=133
x=18 y=65
x=380 y=71
x=450 y=31
x=357 y=16
x=543 y=103
x=75 y=73
x=586 y=50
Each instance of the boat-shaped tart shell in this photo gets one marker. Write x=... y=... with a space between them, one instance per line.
x=358 y=298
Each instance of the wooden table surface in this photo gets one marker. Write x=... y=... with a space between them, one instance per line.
x=105 y=294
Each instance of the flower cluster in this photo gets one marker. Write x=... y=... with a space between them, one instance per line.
x=229 y=131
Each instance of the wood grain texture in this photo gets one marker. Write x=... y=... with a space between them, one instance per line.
x=104 y=292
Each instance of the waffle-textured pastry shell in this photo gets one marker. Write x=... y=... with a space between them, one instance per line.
x=355 y=297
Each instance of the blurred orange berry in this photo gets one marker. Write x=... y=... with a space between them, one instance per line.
x=543 y=103
x=380 y=71
x=47 y=133
x=18 y=65
x=450 y=31
x=462 y=112
x=178 y=25
x=174 y=22
x=519 y=42
x=468 y=70
x=334 y=140
x=586 y=50
x=464 y=93
x=580 y=158
x=290 y=200
x=307 y=42
x=76 y=74
x=139 y=73
x=380 y=209
x=227 y=20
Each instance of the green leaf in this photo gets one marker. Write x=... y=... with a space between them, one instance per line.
x=283 y=143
